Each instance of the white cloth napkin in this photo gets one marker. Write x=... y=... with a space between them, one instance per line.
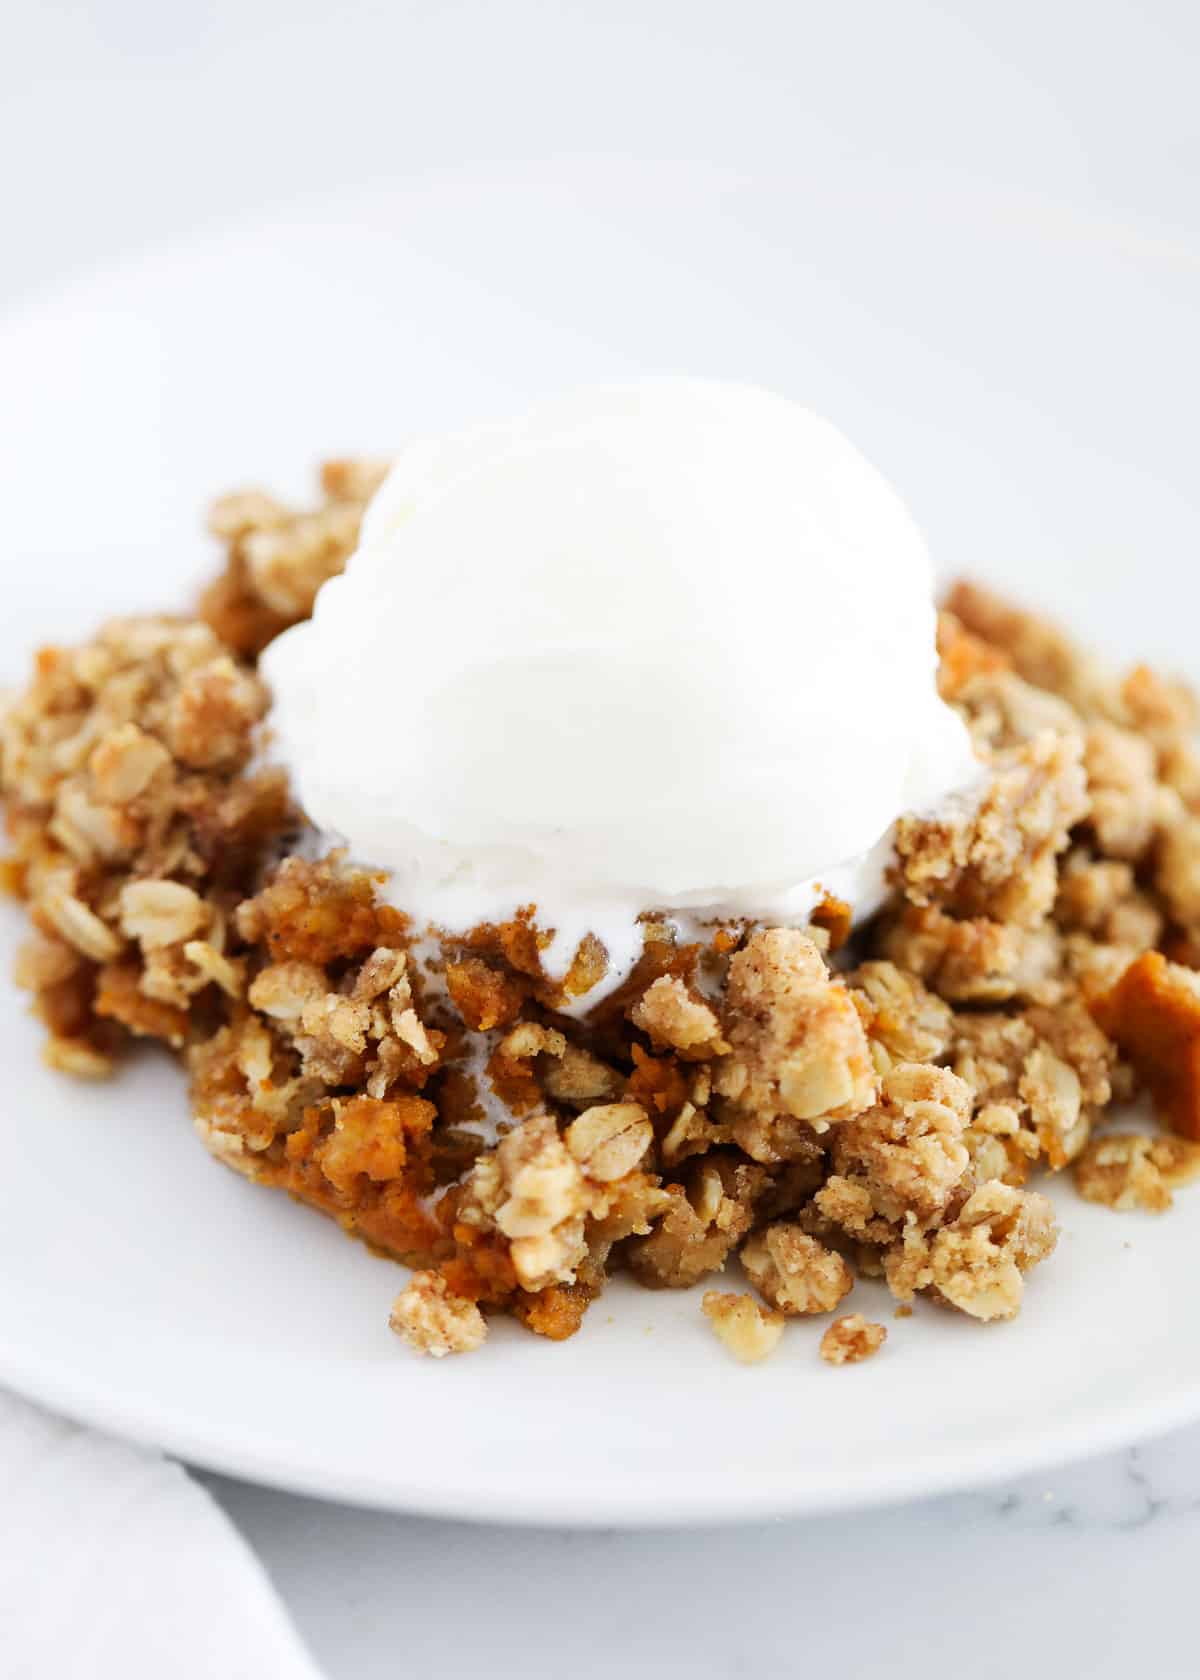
x=115 y=1565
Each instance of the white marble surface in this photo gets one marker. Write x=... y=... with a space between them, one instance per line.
x=126 y=121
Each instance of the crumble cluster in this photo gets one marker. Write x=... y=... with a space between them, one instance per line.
x=820 y=1110
x=136 y=830
x=277 y=557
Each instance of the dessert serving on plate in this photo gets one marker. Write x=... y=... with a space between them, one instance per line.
x=582 y=845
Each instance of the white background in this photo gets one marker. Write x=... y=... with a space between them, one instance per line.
x=127 y=122
x=124 y=120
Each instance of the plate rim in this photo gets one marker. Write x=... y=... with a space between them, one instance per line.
x=614 y=1499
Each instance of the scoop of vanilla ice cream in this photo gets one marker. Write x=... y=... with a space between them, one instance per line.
x=663 y=646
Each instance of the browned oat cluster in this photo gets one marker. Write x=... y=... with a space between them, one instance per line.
x=278 y=557
x=818 y=1109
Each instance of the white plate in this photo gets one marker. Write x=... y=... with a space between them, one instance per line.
x=1028 y=379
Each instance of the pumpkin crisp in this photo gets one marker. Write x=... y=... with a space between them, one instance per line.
x=806 y=1105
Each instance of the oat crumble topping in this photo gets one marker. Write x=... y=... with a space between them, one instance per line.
x=434 y=1321
x=877 y=1111
x=793 y=1272
x=850 y=1340
x=1129 y=1170
x=750 y=1331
